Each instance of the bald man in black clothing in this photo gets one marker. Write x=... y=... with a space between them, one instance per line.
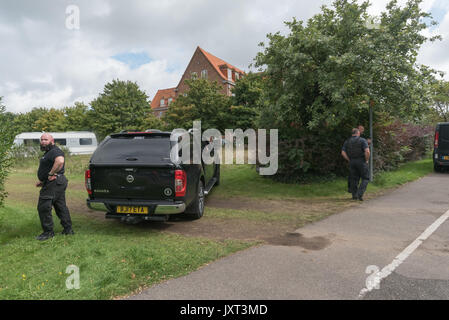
x=53 y=185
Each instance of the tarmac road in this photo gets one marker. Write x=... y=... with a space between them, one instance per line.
x=333 y=258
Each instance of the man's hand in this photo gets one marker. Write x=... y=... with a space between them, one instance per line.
x=52 y=178
x=39 y=184
x=367 y=155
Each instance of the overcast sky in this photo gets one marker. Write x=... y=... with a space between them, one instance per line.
x=43 y=63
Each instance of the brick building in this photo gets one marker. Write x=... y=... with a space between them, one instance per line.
x=202 y=65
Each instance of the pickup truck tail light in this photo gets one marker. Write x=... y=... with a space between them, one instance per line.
x=180 y=183
x=437 y=137
x=88 y=183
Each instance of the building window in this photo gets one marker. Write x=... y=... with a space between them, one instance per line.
x=85 y=141
x=204 y=74
x=160 y=114
x=194 y=75
x=229 y=74
x=236 y=76
x=170 y=100
x=162 y=102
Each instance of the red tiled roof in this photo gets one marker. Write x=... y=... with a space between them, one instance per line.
x=163 y=94
x=217 y=63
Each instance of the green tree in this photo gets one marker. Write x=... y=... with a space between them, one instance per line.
x=440 y=90
x=248 y=90
x=203 y=102
x=242 y=117
x=324 y=74
x=153 y=122
x=53 y=120
x=78 y=117
x=26 y=122
x=121 y=106
x=248 y=99
x=327 y=71
x=6 y=141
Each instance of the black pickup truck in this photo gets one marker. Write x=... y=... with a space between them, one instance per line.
x=131 y=177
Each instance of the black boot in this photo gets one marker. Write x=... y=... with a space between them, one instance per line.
x=45 y=236
x=67 y=232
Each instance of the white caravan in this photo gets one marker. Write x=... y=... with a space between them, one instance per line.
x=81 y=142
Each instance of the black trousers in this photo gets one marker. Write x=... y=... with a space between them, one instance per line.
x=358 y=169
x=51 y=195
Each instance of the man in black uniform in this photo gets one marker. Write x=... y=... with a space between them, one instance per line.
x=54 y=183
x=356 y=151
x=362 y=130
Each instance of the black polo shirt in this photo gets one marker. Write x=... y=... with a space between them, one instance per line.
x=364 y=145
x=47 y=162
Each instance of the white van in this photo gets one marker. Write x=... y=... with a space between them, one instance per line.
x=77 y=142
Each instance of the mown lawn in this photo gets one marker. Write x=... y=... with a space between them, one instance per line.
x=243 y=180
x=114 y=259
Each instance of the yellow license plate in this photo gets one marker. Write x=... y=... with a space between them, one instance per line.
x=132 y=210
x=446 y=158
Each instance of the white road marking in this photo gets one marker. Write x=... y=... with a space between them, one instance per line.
x=400 y=258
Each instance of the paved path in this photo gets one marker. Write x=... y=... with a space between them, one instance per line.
x=334 y=255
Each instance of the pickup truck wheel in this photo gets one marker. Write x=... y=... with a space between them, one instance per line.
x=436 y=168
x=196 y=209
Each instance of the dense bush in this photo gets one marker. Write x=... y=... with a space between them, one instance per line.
x=397 y=142
x=312 y=155
x=317 y=154
x=324 y=75
x=6 y=140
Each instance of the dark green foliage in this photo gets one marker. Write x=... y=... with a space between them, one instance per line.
x=242 y=117
x=323 y=76
x=78 y=117
x=121 y=106
x=6 y=140
x=203 y=102
x=440 y=91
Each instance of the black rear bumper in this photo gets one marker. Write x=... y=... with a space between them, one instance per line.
x=441 y=163
x=438 y=155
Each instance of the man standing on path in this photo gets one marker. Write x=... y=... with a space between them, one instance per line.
x=356 y=151
x=54 y=183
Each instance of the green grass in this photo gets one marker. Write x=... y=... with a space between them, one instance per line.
x=243 y=181
x=75 y=166
x=114 y=259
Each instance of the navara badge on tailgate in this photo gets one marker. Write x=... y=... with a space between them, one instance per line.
x=130 y=179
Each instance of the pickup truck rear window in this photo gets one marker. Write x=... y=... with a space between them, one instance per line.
x=140 y=149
